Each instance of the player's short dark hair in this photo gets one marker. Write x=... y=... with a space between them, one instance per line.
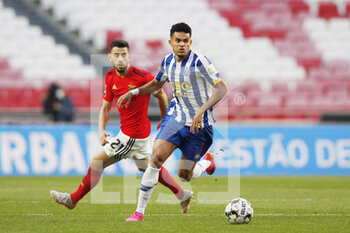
x=119 y=44
x=180 y=27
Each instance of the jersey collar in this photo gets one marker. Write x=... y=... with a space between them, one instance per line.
x=185 y=59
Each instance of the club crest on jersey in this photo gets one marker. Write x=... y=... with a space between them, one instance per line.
x=131 y=87
x=114 y=87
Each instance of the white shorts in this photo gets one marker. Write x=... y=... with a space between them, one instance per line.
x=123 y=146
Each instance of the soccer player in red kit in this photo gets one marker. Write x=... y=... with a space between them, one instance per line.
x=132 y=140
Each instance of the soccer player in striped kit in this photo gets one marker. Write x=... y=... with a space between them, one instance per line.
x=132 y=140
x=188 y=122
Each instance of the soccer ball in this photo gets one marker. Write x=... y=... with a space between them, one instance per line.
x=239 y=211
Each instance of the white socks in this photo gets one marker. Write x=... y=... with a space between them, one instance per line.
x=148 y=182
x=200 y=167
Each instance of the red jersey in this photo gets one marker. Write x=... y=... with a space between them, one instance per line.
x=134 y=121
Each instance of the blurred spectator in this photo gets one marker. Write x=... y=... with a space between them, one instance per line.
x=57 y=105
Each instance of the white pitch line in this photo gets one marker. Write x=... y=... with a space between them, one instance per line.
x=182 y=215
x=283 y=215
x=176 y=202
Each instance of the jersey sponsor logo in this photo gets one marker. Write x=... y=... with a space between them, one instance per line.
x=181 y=88
x=185 y=86
x=180 y=94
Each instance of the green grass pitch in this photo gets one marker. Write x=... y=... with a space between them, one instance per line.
x=281 y=204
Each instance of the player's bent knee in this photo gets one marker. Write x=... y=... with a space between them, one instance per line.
x=157 y=161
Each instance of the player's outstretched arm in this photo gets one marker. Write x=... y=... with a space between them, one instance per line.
x=219 y=93
x=163 y=104
x=145 y=89
x=102 y=121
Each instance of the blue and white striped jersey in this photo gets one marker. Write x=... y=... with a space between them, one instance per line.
x=191 y=79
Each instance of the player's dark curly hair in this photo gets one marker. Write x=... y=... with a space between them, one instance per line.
x=119 y=44
x=180 y=27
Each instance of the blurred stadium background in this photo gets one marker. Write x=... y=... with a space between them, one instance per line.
x=290 y=59
x=286 y=64
x=287 y=112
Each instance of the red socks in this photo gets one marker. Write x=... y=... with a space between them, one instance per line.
x=93 y=177
x=168 y=181
x=88 y=183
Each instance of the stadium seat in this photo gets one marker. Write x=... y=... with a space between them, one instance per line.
x=51 y=58
x=154 y=45
x=298 y=6
x=339 y=24
x=280 y=88
x=269 y=100
x=113 y=35
x=341 y=75
x=347 y=11
x=339 y=101
x=322 y=104
x=328 y=10
x=297 y=101
x=319 y=74
x=4 y=65
x=338 y=66
x=309 y=88
x=336 y=86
